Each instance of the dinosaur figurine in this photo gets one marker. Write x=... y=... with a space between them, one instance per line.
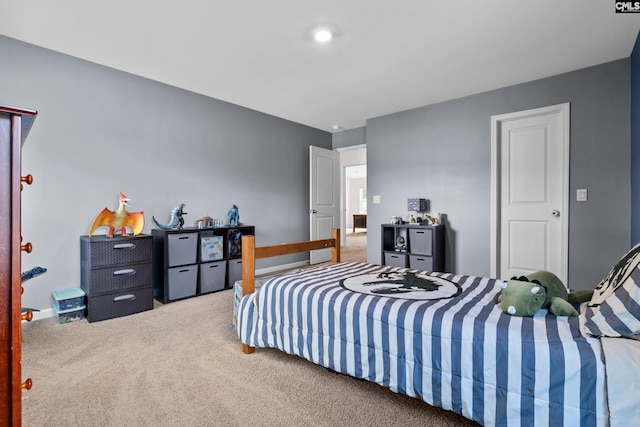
x=234 y=216
x=30 y=274
x=119 y=220
x=34 y=272
x=176 y=222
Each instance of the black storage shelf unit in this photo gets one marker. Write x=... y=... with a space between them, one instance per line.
x=419 y=247
x=185 y=265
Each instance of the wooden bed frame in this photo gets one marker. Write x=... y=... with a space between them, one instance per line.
x=250 y=254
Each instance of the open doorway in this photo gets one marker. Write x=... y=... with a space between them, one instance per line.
x=354 y=191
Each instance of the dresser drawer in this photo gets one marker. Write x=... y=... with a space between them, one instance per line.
x=118 y=304
x=109 y=279
x=100 y=251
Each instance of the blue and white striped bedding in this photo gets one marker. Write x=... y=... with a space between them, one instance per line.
x=462 y=353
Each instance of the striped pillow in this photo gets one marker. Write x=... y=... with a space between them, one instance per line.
x=614 y=309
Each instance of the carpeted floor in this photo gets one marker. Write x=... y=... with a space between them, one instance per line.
x=355 y=248
x=180 y=364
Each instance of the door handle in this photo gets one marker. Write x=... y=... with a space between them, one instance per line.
x=555 y=213
x=313 y=211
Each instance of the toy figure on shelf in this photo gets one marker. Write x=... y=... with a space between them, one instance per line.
x=176 y=222
x=234 y=216
x=432 y=220
x=119 y=220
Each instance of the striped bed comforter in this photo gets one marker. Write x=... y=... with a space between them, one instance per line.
x=457 y=350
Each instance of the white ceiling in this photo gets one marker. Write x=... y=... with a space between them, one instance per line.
x=388 y=56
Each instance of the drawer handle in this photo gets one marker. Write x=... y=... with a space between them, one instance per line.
x=214 y=266
x=183 y=237
x=420 y=259
x=186 y=270
x=394 y=256
x=125 y=272
x=419 y=232
x=27 y=384
x=28 y=316
x=124 y=246
x=128 y=297
x=27 y=248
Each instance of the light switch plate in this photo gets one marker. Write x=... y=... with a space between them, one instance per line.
x=376 y=199
x=581 y=195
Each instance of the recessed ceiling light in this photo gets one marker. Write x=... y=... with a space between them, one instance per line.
x=322 y=35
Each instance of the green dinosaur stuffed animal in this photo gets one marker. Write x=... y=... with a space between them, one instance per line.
x=525 y=295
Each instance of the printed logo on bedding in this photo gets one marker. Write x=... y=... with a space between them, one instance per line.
x=627 y=6
x=403 y=285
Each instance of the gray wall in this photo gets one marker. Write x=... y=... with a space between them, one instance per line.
x=100 y=131
x=348 y=138
x=442 y=152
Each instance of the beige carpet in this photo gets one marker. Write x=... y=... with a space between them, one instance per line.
x=180 y=364
x=356 y=247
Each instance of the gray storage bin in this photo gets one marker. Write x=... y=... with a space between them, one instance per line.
x=235 y=271
x=212 y=275
x=182 y=248
x=419 y=262
x=395 y=259
x=420 y=241
x=182 y=282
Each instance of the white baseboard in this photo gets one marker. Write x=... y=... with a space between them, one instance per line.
x=43 y=314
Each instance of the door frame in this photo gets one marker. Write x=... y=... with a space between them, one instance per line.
x=343 y=184
x=496 y=167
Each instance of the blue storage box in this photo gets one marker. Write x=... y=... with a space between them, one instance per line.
x=70 y=315
x=67 y=299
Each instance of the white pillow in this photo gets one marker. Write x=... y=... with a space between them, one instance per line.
x=614 y=309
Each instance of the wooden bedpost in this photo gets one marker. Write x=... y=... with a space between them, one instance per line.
x=248 y=274
x=248 y=265
x=335 y=250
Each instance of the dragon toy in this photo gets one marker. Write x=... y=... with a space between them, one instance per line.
x=176 y=222
x=119 y=220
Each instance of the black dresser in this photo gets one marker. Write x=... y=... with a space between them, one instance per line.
x=117 y=275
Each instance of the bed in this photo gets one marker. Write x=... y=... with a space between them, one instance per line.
x=441 y=338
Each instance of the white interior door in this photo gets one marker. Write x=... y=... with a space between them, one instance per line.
x=530 y=192
x=324 y=198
